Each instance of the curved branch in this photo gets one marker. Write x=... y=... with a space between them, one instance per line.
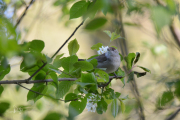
x=48 y=80
x=24 y=13
x=173 y=115
x=27 y=80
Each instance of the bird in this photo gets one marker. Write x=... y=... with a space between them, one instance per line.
x=109 y=60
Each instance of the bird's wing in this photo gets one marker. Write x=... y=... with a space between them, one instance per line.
x=101 y=58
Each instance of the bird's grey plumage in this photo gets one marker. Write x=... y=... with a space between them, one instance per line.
x=109 y=60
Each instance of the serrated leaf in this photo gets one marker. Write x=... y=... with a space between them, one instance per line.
x=37 y=45
x=77 y=107
x=140 y=74
x=129 y=60
x=123 y=107
x=64 y=87
x=73 y=47
x=114 y=107
x=84 y=65
x=4 y=107
x=78 y=9
x=96 y=23
x=130 y=76
x=137 y=57
x=108 y=33
x=53 y=116
x=35 y=96
x=97 y=46
x=145 y=69
x=70 y=97
x=84 y=84
x=1 y=89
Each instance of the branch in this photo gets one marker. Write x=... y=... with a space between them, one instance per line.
x=68 y=39
x=44 y=94
x=49 y=80
x=35 y=81
x=27 y=80
x=24 y=13
x=173 y=115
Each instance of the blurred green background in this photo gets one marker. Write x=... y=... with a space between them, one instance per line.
x=151 y=28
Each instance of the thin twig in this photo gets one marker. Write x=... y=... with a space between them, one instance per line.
x=68 y=39
x=27 y=80
x=43 y=81
x=35 y=81
x=24 y=13
x=44 y=94
x=173 y=115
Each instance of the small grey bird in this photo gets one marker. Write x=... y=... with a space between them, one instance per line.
x=110 y=60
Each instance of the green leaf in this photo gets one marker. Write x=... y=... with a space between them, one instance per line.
x=73 y=47
x=54 y=77
x=121 y=57
x=94 y=62
x=97 y=46
x=177 y=89
x=53 y=116
x=67 y=62
x=96 y=23
x=84 y=84
x=37 y=45
x=140 y=74
x=137 y=57
x=114 y=107
x=145 y=69
x=89 y=78
x=108 y=33
x=114 y=36
x=1 y=89
x=93 y=8
x=70 y=97
x=35 y=96
x=64 y=87
x=161 y=17
x=26 y=117
x=84 y=65
x=4 y=107
x=129 y=60
x=101 y=106
x=117 y=94
x=120 y=72
x=78 y=9
x=76 y=107
x=171 y=6
x=57 y=61
x=166 y=98
x=103 y=75
x=131 y=76
x=29 y=59
x=4 y=71
x=123 y=107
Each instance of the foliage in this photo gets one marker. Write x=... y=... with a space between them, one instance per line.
x=88 y=77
